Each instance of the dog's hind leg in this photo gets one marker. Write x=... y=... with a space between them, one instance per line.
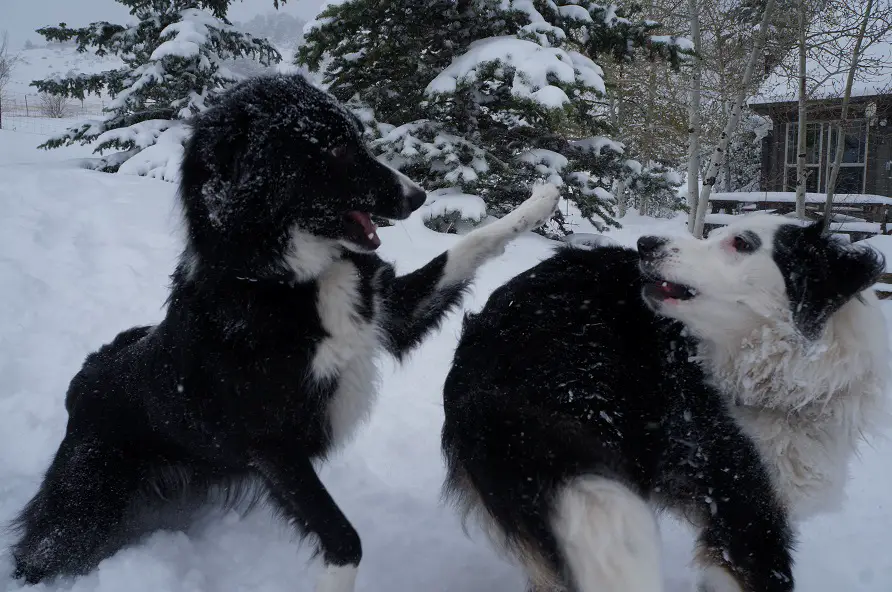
x=301 y=497
x=607 y=536
x=78 y=516
x=545 y=492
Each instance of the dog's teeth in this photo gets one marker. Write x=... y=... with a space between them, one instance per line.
x=371 y=235
x=665 y=284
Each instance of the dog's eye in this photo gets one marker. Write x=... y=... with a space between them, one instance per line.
x=743 y=245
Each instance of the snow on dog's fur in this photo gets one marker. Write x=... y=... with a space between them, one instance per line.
x=265 y=360
x=728 y=380
x=789 y=331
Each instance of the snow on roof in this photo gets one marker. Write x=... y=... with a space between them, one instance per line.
x=867 y=227
x=826 y=76
x=790 y=197
x=533 y=64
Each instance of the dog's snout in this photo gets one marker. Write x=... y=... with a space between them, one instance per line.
x=649 y=246
x=413 y=195
x=414 y=198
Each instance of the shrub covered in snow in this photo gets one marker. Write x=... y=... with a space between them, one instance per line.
x=487 y=97
x=174 y=57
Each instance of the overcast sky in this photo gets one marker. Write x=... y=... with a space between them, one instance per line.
x=22 y=17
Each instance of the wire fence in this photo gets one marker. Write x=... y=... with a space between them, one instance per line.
x=44 y=114
x=42 y=126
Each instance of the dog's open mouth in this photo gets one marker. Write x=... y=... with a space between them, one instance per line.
x=361 y=230
x=660 y=290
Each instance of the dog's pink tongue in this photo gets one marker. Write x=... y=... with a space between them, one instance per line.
x=368 y=227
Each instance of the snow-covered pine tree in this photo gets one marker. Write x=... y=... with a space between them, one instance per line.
x=174 y=65
x=485 y=97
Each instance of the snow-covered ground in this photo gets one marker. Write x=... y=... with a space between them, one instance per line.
x=86 y=254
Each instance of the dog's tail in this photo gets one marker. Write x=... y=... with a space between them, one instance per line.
x=547 y=493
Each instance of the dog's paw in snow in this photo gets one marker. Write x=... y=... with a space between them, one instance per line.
x=490 y=241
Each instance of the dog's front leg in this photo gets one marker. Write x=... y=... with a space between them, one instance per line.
x=488 y=242
x=301 y=497
x=418 y=301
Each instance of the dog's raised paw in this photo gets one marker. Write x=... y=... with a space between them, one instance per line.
x=537 y=209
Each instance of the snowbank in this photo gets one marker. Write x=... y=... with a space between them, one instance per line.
x=86 y=254
x=445 y=202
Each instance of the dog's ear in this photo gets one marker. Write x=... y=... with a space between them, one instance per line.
x=821 y=273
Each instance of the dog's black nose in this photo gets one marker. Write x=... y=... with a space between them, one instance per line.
x=649 y=246
x=414 y=198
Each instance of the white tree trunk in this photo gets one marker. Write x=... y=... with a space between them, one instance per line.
x=645 y=208
x=801 y=129
x=840 y=133
x=718 y=155
x=619 y=121
x=622 y=202
x=694 y=117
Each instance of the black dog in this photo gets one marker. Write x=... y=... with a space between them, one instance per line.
x=571 y=408
x=266 y=357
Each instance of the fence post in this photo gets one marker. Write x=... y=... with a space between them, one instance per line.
x=26 y=107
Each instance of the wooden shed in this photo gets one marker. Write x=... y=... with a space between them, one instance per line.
x=867 y=145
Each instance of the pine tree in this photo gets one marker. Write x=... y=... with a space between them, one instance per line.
x=487 y=97
x=174 y=66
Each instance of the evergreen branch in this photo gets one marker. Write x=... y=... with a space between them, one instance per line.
x=76 y=87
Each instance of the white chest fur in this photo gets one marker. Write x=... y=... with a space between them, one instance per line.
x=807 y=407
x=347 y=354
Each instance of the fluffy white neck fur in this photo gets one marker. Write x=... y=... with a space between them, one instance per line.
x=807 y=405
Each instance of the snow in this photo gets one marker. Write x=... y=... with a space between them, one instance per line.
x=162 y=159
x=184 y=39
x=142 y=134
x=85 y=254
x=424 y=139
x=547 y=163
x=682 y=43
x=588 y=72
x=576 y=13
x=55 y=60
x=447 y=201
x=883 y=244
x=533 y=65
x=790 y=197
x=597 y=143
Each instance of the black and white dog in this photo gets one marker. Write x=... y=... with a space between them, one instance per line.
x=729 y=380
x=265 y=360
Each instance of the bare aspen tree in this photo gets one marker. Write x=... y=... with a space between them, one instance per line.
x=617 y=119
x=841 y=128
x=720 y=152
x=801 y=135
x=694 y=116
